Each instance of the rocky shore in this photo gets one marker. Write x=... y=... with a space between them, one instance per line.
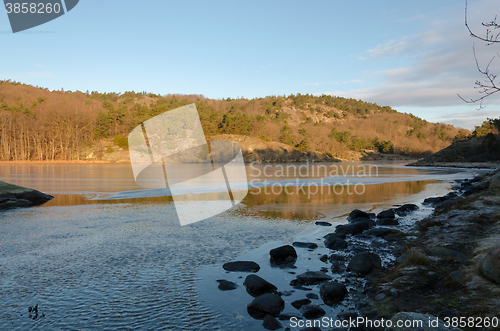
x=383 y=268
x=13 y=196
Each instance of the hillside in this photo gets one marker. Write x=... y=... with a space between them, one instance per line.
x=38 y=124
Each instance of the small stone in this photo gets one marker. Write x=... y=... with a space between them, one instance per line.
x=226 y=285
x=271 y=323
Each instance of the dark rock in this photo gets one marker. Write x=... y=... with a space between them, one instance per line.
x=444 y=252
x=36 y=198
x=346 y=315
x=389 y=213
x=490 y=266
x=353 y=228
x=266 y=304
x=387 y=221
x=379 y=232
x=14 y=203
x=305 y=245
x=297 y=304
x=333 y=242
x=241 y=266
x=336 y=257
x=323 y=258
x=323 y=223
x=361 y=219
x=287 y=316
x=338 y=267
x=257 y=285
x=356 y=213
x=335 y=234
x=406 y=209
x=283 y=254
x=312 y=311
x=271 y=323
x=296 y=283
x=434 y=201
x=332 y=292
x=456 y=275
x=313 y=277
x=226 y=285
x=312 y=296
x=363 y=263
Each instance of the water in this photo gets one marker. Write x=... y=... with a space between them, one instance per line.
x=106 y=254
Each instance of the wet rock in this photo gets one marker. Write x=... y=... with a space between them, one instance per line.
x=356 y=213
x=332 y=292
x=14 y=203
x=444 y=252
x=456 y=275
x=305 y=245
x=283 y=254
x=363 y=263
x=313 y=278
x=434 y=201
x=406 y=209
x=323 y=258
x=35 y=197
x=226 y=285
x=336 y=257
x=337 y=267
x=490 y=266
x=333 y=242
x=323 y=223
x=297 y=304
x=413 y=318
x=271 y=323
x=495 y=182
x=312 y=296
x=335 y=234
x=288 y=315
x=312 y=312
x=387 y=221
x=257 y=285
x=266 y=304
x=13 y=196
x=353 y=228
x=241 y=266
x=387 y=214
x=379 y=232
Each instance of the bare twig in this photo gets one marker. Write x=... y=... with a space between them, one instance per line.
x=490 y=38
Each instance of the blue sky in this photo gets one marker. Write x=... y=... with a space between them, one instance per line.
x=412 y=55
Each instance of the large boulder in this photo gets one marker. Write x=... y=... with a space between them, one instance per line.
x=266 y=304
x=406 y=209
x=364 y=263
x=257 y=285
x=13 y=196
x=335 y=242
x=241 y=266
x=312 y=312
x=356 y=213
x=490 y=266
x=353 y=228
x=389 y=213
x=332 y=292
x=271 y=323
x=283 y=254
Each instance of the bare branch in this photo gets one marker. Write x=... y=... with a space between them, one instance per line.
x=490 y=38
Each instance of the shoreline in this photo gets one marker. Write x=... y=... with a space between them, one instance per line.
x=381 y=292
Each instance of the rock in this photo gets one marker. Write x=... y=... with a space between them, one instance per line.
x=406 y=209
x=335 y=234
x=456 y=275
x=363 y=263
x=226 y=285
x=312 y=312
x=297 y=304
x=413 y=318
x=266 y=304
x=333 y=242
x=241 y=266
x=13 y=192
x=288 y=315
x=312 y=296
x=356 y=213
x=387 y=221
x=305 y=245
x=336 y=257
x=443 y=252
x=271 y=323
x=313 y=278
x=323 y=258
x=332 y=292
x=495 y=182
x=283 y=254
x=323 y=223
x=337 y=267
x=257 y=285
x=346 y=315
x=353 y=228
x=490 y=265
x=14 y=203
x=387 y=214
x=361 y=219
x=434 y=201
x=379 y=232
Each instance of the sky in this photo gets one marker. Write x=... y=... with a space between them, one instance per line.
x=414 y=56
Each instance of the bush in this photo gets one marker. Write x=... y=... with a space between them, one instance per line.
x=110 y=149
x=121 y=142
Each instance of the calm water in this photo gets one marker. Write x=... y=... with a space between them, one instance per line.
x=106 y=254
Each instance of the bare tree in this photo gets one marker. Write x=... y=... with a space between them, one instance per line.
x=488 y=85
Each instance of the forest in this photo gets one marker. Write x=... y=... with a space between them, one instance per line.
x=38 y=124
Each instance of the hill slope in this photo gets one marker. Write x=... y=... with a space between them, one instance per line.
x=38 y=124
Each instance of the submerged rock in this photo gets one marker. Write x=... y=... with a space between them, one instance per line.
x=364 y=263
x=241 y=266
x=266 y=304
x=257 y=285
x=226 y=285
x=490 y=266
x=305 y=245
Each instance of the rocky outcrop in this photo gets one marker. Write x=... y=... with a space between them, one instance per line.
x=490 y=266
x=13 y=196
